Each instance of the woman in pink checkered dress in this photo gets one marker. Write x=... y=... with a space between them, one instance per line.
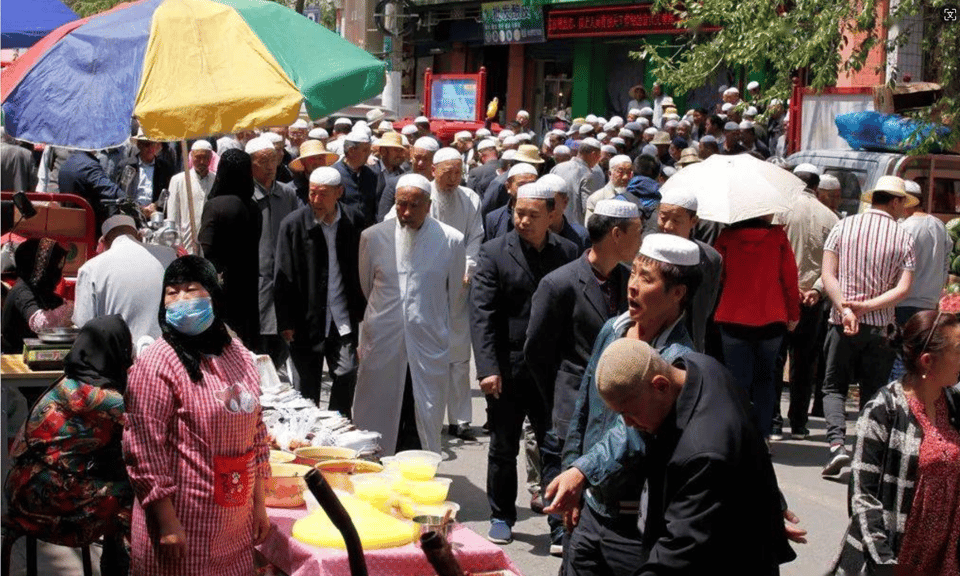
x=194 y=443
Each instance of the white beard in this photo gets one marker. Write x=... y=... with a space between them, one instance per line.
x=444 y=202
x=407 y=240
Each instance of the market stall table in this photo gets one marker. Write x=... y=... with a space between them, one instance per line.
x=473 y=552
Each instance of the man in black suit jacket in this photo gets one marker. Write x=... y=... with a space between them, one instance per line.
x=359 y=181
x=317 y=264
x=509 y=270
x=480 y=177
x=500 y=221
x=82 y=175
x=714 y=505
x=144 y=176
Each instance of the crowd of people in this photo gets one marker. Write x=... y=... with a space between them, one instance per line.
x=635 y=351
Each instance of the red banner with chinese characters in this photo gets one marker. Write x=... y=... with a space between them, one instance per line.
x=632 y=20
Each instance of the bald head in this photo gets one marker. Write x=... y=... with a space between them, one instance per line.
x=637 y=383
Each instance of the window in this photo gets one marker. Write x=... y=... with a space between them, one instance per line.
x=946 y=194
x=851 y=187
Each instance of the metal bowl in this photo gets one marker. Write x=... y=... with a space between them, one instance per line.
x=433 y=524
x=58 y=335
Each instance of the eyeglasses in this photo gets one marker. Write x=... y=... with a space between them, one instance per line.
x=933 y=329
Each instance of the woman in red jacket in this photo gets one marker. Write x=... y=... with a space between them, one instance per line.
x=759 y=303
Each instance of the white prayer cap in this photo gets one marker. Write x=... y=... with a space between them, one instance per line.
x=426 y=143
x=753 y=85
x=300 y=124
x=484 y=144
x=562 y=149
x=318 y=134
x=445 y=154
x=608 y=149
x=730 y=91
x=325 y=176
x=726 y=107
x=523 y=113
x=521 y=168
x=684 y=123
x=649 y=150
x=421 y=120
x=386 y=126
x=670 y=249
x=751 y=111
x=679 y=196
x=117 y=221
x=634 y=112
x=830 y=182
x=591 y=118
x=618 y=141
x=668 y=171
x=509 y=155
x=775 y=102
x=708 y=139
x=535 y=191
x=651 y=131
x=375 y=114
x=558 y=132
x=201 y=145
x=463 y=135
x=358 y=136
x=272 y=137
x=409 y=130
x=601 y=120
x=524 y=137
x=374 y=141
x=746 y=125
x=585 y=129
x=505 y=134
x=483 y=133
x=414 y=181
x=805 y=167
x=620 y=159
x=731 y=126
x=671 y=124
x=617 y=209
x=603 y=137
x=643 y=122
x=554 y=183
x=341 y=121
x=909 y=185
x=617 y=121
x=667 y=101
x=722 y=88
x=625 y=133
x=404 y=140
x=609 y=126
x=258 y=144
x=511 y=141
x=590 y=143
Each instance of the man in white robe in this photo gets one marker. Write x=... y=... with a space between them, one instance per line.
x=411 y=272
x=178 y=208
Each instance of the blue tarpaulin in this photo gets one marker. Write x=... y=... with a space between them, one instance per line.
x=27 y=21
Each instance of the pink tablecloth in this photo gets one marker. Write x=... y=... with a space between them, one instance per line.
x=475 y=554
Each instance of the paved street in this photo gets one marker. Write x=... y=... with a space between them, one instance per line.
x=820 y=504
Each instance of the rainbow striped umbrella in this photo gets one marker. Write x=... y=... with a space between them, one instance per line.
x=184 y=69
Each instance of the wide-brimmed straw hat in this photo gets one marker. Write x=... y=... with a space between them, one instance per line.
x=529 y=154
x=661 y=138
x=392 y=140
x=892 y=185
x=688 y=156
x=312 y=149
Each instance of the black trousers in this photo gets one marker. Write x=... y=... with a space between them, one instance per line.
x=340 y=354
x=603 y=547
x=519 y=398
x=865 y=356
x=804 y=344
x=408 y=438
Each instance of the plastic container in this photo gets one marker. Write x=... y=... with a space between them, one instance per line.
x=373 y=489
x=408 y=508
x=284 y=488
x=418 y=465
x=430 y=491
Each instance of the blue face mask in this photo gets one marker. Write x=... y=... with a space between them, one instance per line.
x=190 y=317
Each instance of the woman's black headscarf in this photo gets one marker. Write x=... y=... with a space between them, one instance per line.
x=234 y=176
x=101 y=354
x=212 y=340
x=40 y=265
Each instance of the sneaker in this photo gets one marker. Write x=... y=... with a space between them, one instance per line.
x=500 y=532
x=556 y=550
x=838 y=460
x=536 y=503
x=463 y=432
x=776 y=434
x=799 y=433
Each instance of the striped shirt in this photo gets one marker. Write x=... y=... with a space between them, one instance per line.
x=872 y=251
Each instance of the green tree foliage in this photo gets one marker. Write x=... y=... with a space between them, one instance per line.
x=784 y=37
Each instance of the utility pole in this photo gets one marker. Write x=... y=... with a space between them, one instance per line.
x=393 y=50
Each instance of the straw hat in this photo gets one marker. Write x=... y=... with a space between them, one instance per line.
x=661 y=138
x=688 y=156
x=311 y=149
x=529 y=154
x=634 y=92
x=891 y=185
x=392 y=140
